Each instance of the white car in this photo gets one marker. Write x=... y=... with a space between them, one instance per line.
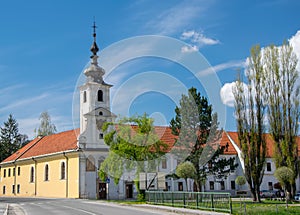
x=297 y=197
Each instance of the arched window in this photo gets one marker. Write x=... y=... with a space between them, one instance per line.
x=100 y=95
x=32 y=174
x=63 y=170
x=101 y=136
x=100 y=113
x=46 y=172
x=84 y=96
x=90 y=164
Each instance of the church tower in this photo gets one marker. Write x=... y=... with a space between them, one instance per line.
x=94 y=103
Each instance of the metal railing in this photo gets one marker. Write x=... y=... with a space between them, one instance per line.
x=196 y=200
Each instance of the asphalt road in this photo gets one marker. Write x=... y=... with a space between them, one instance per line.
x=39 y=206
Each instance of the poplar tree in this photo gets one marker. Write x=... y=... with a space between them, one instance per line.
x=283 y=106
x=250 y=112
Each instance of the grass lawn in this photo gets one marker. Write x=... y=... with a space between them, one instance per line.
x=266 y=207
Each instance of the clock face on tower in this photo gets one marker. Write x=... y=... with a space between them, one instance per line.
x=99 y=123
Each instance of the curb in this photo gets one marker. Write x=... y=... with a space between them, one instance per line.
x=6 y=210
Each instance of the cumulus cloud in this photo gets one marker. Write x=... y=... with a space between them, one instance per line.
x=187 y=49
x=198 y=38
x=226 y=93
x=295 y=43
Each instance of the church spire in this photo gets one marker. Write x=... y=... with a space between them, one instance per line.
x=94 y=48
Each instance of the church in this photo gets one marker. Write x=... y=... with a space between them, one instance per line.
x=66 y=164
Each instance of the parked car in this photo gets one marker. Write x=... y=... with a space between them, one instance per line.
x=297 y=197
x=267 y=194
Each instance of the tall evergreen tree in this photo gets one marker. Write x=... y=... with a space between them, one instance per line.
x=250 y=112
x=198 y=137
x=283 y=105
x=10 y=139
x=46 y=126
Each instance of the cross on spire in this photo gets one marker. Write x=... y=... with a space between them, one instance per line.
x=94 y=49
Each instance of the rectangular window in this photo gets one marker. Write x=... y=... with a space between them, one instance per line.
x=3 y=190
x=164 y=164
x=19 y=171
x=18 y=188
x=13 y=188
x=9 y=172
x=14 y=171
x=4 y=173
x=222 y=183
x=211 y=185
x=269 y=167
x=232 y=185
x=270 y=185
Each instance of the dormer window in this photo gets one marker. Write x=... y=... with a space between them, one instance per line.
x=100 y=96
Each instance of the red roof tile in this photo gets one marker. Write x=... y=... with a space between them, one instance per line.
x=269 y=142
x=60 y=142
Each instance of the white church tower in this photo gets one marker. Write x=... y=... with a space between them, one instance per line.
x=94 y=103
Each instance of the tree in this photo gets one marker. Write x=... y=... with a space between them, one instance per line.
x=283 y=106
x=10 y=139
x=240 y=180
x=250 y=112
x=185 y=170
x=285 y=176
x=198 y=138
x=134 y=145
x=46 y=126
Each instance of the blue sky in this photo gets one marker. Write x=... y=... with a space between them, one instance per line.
x=44 y=46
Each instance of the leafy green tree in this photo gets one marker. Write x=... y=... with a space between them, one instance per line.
x=283 y=105
x=134 y=145
x=46 y=127
x=198 y=138
x=285 y=176
x=185 y=170
x=10 y=139
x=240 y=180
x=250 y=112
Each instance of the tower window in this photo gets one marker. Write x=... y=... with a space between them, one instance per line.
x=84 y=96
x=100 y=113
x=100 y=95
x=46 y=172
x=101 y=136
x=90 y=164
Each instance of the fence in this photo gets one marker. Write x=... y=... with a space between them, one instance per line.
x=194 y=200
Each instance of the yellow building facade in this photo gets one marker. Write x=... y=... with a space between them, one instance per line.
x=42 y=169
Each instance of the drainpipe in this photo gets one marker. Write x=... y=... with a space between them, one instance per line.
x=35 y=175
x=66 y=174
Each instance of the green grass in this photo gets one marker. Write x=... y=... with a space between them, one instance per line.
x=265 y=208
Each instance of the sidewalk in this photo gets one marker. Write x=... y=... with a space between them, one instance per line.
x=3 y=208
x=168 y=209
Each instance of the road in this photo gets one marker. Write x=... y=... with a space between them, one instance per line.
x=39 y=206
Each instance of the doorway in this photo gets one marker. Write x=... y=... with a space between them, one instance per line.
x=101 y=190
x=129 y=190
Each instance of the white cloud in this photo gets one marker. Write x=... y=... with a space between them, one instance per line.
x=198 y=38
x=226 y=93
x=222 y=66
x=187 y=49
x=295 y=43
x=177 y=17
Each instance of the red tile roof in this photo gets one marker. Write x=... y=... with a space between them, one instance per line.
x=54 y=143
x=67 y=140
x=269 y=142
